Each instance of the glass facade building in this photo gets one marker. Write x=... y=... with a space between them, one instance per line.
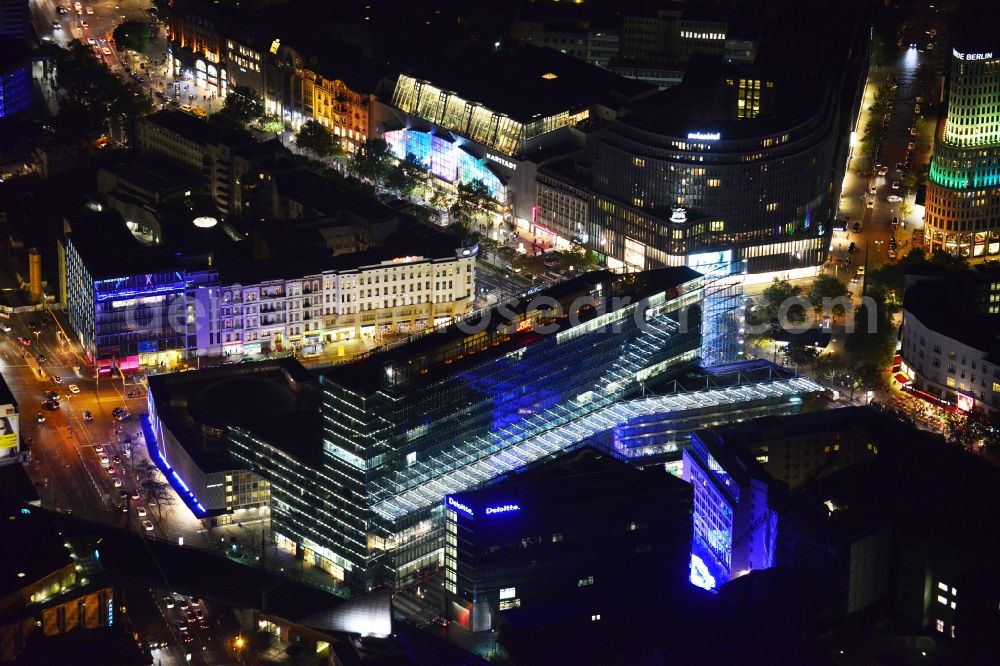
x=452 y=410
x=15 y=88
x=962 y=213
x=444 y=158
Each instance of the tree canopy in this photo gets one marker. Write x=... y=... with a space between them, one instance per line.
x=242 y=106
x=133 y=35
x=373 y=161
x=318 y=140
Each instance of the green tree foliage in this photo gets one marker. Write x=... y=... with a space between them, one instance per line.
x=318 y=140
x=92 y=99
x=472 y=204
x=406 y=176
x=778 y=293
x=373 y=161
x=133 y=35
x=242 y=106
x=826 y=287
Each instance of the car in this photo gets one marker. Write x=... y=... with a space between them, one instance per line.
x=203 y=626
x=62 y=10
x=84 y=25
x=872 y=190
x=183 y=604
x=104 y=459
x=899 y=166
x=861 y=270
x=57 y=379
x=5 y=328
x=855 y=278
x=148 y=526
x=73 y=388
x=39 y=418
x=168 y=601
x=99 y=448
x=90 y=11
x=870 y=203
x=896 y=184
x=118 y=482
x=190 y=616
x=87 y=416
x=51 y=405
x=41 y=358
x=199 y=613
x=123 y=506
x=91 y=41
x=187 y=638
x=895 y=222
x=187 y=108
x=882 y=171
x=117 y=459
x=105 y=50
x=24 y=341
x=195 y=602
x=916 y=109
x=180 y=624
x=852 y=248
x=856 y=228
x=141 y=512
x=51 y=395
x=134 y=494
x=913 y=131
x=111 y=470
x=78 y=6
x=123 y=416
x=911 y=146
x=892 y=254
x=56 y=26
x=894 y=198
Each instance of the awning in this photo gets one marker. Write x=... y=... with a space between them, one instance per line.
x=902 y=379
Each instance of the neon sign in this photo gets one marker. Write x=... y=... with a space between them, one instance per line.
x=704 y=136
x=972 y=56
x=501 y=161
x=504 y=508
x=455 y=504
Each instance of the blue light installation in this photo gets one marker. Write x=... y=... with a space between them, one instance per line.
x=169 y=472
x=700 y=575
x=464 y=508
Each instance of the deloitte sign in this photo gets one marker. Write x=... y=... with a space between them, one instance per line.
x=504 y=508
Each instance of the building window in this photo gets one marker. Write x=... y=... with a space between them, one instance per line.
x=595 y=618
x=508 y=592
x=584 y=582
x=940 y=626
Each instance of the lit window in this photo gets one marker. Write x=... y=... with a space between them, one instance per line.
x=940 y=626
x=595 y=618
x=717 y=225
x=508 y=592
x=942 y=587
x=942 y=600
x=713 y=182
x=584 y=582
x=950 y=382
x=771 y=207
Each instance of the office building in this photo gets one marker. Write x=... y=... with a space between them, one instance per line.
x=15 y=78
x=137 y=299
x=962 y=207
x=15 y=20
x=578 y=530
x=10 y=428
x=949 y=348
x=222 y=158
x=735 y=523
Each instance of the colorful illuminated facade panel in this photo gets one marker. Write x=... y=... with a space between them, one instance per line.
x=445 y=159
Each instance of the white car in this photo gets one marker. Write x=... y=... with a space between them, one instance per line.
x=56 y=25
x=141 y=512
x=105 y=50
x=5 y=328
x=99 y=448
x=90 y=11
x=895 y=184
x=148 y=526
x=91 y=41
x=104 y=460
x=894 y=198
x=883 y=170
x=118 y=483
x=911 y=146
x=73 y=388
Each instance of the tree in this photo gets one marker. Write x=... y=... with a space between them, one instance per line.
x=157 y=493
x=778 y=293
x=242 y=106
x=905 y=208
x=318 y=140
x=873 y=341
x=271 y=123
x=472 y=204
x=827 y=287
x=373 y=161
x=133 y=35
x=405 y=176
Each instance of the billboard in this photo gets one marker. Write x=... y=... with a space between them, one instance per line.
x=8 y=431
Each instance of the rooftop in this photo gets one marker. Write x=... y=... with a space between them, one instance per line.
x=32 y=548
x=274 y=400
x=950 y=305
x=200 y=130
x=529 y=83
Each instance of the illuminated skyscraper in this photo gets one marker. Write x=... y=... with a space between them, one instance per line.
x=963 y=189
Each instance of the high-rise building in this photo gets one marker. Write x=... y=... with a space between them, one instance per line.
x=15 y=77
x=962 y=213
x=15 y=19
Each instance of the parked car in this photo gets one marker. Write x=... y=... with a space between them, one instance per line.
x=57 y=379
x=856 y=227
x=141 y=512
x=883 y=170
x=5 y=328
x=894 y=198
x=24 y=341
x=148 y=526
x=73 y=388
x=870 y=203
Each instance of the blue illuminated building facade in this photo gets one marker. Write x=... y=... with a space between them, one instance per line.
x=15 y=79
x=133 y=319
x=572 y=532
x=444 y=157
x=735 y=527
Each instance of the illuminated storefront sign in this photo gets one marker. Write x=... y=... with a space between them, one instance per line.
x=704 y=136
x=501 y=161
x=504 y=508
x=972 y=56
x=455 y=504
